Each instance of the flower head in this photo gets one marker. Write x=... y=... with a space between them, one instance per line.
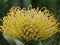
x=29 y=25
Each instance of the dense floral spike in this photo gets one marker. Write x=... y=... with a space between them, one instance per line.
x=29 y=25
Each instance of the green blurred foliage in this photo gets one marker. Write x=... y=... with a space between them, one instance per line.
x=52 y=5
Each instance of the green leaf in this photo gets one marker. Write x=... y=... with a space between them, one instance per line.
x=18 y=42
x=12 y=41
x=9 y=39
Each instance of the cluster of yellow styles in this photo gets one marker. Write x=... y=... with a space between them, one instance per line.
x=32 y=24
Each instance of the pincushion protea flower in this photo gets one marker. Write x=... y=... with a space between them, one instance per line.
x=30 y=25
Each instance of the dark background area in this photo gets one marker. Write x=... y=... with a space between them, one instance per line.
x=52 y=5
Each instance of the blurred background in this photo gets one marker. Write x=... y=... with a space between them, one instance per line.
x=52 y=5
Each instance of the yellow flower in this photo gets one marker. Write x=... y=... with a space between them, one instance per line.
x=29 y=25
